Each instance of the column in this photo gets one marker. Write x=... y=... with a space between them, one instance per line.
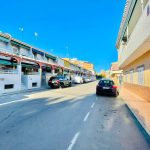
x=19 y=69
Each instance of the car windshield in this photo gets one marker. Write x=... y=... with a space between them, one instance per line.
x=106 y=83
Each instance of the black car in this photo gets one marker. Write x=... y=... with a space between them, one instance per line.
x=107 y=87
x=59 y=81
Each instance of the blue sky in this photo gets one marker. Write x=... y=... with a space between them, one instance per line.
x=88 y=27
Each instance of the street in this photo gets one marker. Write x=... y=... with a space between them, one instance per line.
x=68 y=119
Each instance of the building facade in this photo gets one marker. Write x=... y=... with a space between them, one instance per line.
x=133 y=46
x=116 y=74
x=23 y=66
x=83 y=64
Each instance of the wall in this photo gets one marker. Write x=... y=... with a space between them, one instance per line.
x=138 y=42
x=24 y=52
x=143 y=60
x=141 y=90
x=29 y=79
x=9 y=79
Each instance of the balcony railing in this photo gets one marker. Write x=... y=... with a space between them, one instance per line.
x=8 y=50
x=8 y=71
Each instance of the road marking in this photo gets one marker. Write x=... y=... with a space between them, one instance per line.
x=92 y=105
x=73 y=141
x=16 y=101
x=86 y=117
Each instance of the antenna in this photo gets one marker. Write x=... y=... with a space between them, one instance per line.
x=21 y=31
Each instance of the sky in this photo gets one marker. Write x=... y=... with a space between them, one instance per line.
x=89 y=28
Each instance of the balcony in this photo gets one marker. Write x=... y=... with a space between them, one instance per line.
x=6 y=50
x=138 y=42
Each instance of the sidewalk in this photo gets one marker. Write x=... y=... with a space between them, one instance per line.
x=139 y=107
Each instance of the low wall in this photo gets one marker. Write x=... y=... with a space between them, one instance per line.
x=142 y=91
x=9 y=79
x=32 y=81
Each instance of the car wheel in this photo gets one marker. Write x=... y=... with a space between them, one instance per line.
x=62 y=85
x=70 y=84
x=97 y=93
x=116 y=94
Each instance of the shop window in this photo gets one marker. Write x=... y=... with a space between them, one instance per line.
x=34 y=84
x=8 y=86
x=140 y=71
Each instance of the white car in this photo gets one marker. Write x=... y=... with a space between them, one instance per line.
x=78 y=79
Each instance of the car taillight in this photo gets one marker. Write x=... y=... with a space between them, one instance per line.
x=114 y=87
x=57 y=81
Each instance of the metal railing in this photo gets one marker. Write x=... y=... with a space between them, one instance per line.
x=8 y=71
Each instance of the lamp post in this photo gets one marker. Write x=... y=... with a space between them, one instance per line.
x=36 y=35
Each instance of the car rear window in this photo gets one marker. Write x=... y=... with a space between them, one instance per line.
x=106 y=82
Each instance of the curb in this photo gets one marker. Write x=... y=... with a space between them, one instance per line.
x=145 y=130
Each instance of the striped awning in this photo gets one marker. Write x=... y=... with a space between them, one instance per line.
x=20 y=45
x=7 y=62
x=4 y=39
x=37 y=51
x=50 y=56
x=29 y=65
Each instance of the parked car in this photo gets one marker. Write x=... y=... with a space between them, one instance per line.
x=59 y=81
x=86 y=80
x=78 y=79
x=107 y=87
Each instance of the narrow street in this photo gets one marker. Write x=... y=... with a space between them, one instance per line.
x=68 y=119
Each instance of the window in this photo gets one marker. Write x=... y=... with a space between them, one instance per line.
x=140 y=71
x=34 y=84
x=8 y=86
x=131 y=75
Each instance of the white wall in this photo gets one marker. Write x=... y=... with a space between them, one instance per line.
x=39 y=57
x=60 y=62
x=29 y=79
x=24 y=52
x=9 y=79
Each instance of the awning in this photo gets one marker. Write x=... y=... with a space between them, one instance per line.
x=50 y=56
x=37 y=51
x=4 y=39
x=19 y=44
x=29 y=65
x=7 y=62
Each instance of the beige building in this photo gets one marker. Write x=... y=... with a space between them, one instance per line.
x=84 y=64
x=133 y=44
x=115 y=73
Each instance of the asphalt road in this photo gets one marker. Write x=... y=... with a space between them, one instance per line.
x=68 y=119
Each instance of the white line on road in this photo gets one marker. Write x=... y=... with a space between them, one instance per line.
x=16 y=101
x=73 y=141
x=86 y=117
x=92 y=105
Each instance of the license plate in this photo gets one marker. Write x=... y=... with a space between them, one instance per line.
x=106 y=88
